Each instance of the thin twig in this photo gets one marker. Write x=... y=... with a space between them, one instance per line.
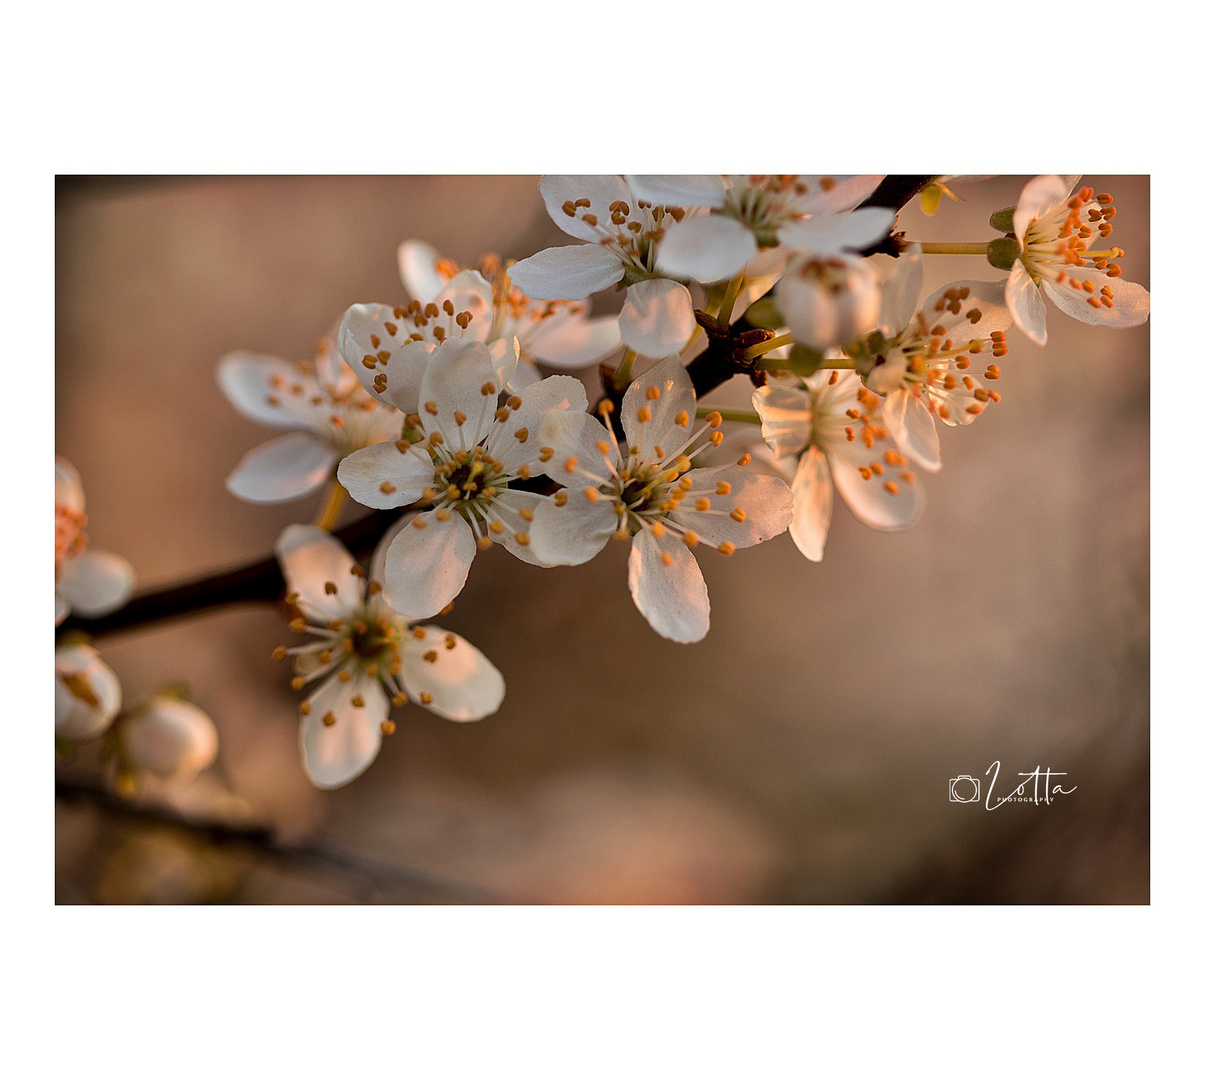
x=262 y=841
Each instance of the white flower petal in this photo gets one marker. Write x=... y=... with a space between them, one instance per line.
x=557 y=393
x=404 y=475
x=1025 y=303
x=567 y=273
x=574 y=342
x=901 y=291
x=462 y=683
x=505 y=353
x=469 y=292
x=786 y=418
x=575 y=435
x=574 y=533
x=68 y=488
x=912 y=427
x=418 y=266
x=812 y=489
x=765 y=501
x=711 y=248
x=842 y=232
x=602 y=191
x=1041 y=195
x=267 y=389
x=870 y=500
x=363 y=334
x=460 y=393
x=830 y=302
x=675 y=395
x=426 y=565
x=96 y=582
x=1131 y=303
x=671 y=595
x=658 y=317
x=310 y=558
x=336 y=754
x=832 y=194
x=509 y=507
x=684 y=191
x=282 y=469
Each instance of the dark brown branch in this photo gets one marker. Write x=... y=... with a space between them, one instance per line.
x=263 y=842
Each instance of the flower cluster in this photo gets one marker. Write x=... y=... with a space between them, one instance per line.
x=439 y=410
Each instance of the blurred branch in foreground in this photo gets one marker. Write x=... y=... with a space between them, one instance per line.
x=262 y=841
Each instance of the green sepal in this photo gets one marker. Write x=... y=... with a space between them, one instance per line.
x=1002 y=220
x=1003 y=252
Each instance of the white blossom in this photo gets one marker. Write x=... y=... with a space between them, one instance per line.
x=1060 y=228
x=556 y=332
x=752 y=213
x=653 y=495
x=465 y=468
x=827 y=433
x=368 y=658
x=624 y=235
x=323 y=406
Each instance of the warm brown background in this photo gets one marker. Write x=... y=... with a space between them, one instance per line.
x=801 y=753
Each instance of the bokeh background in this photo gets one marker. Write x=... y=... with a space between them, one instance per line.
x=800 y=754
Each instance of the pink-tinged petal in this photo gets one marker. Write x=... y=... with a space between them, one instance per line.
x=574 y=342
x=87 y=695
x=574 y=533
x=668 y=587
x=602 y=191
x=666 y=396
x=658 y=317
x=383 y=477
x=461 y=683
x=418 y=264
x=812 y=489
x=871 y=502
x=428 y=563
x=832 y=194
x=96 y=582
x=683 y=190
x=761 y=504
x=831 y=301
x=574 y=437
x=901 y=291
x=460 y=393
x=364 y=334
x=282 y=469
x=711 y=248
x=912 y=427
x=335 y=754
x=1025 y=303
x=842 y=232
x=1041 y=195
x=310 y=558
x=515 y=440
x=567 y=273
x=1131 y=303
x=505 y=354
x=786 y=418
x=68 y=488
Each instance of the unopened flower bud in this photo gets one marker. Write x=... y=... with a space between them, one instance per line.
x=170 y=738
x=87 y=694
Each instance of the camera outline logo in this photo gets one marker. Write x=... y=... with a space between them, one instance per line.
x=960 y=794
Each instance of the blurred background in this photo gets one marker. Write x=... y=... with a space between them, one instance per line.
x=800 y=754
